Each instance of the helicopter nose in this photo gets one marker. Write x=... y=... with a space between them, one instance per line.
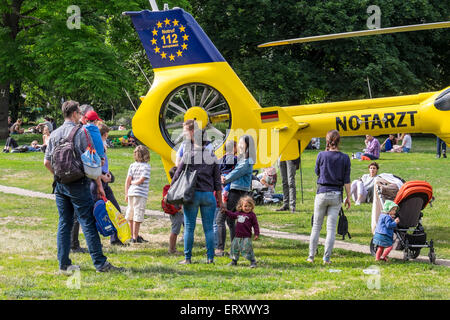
x=442 y=102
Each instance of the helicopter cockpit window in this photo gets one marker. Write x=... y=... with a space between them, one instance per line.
x=442 y=102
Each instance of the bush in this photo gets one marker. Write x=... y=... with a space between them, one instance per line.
x=124 y=118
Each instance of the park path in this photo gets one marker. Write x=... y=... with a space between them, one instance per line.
x=265 y=232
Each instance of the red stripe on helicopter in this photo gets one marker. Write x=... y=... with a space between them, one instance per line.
x=269 y=116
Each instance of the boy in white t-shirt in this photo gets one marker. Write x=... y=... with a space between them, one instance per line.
x=136 y=191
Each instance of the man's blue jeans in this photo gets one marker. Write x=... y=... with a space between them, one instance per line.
x=207 y=204
x=75 y=198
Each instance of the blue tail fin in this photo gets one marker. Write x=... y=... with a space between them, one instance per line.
x=173 y=38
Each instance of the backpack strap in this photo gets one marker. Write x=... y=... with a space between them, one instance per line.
x=72 y=133
x=87 y=139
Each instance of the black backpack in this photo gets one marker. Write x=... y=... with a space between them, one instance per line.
x=66 y=163
x=342 y=228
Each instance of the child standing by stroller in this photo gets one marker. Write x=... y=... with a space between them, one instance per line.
x=384 y=232
x=246 y=220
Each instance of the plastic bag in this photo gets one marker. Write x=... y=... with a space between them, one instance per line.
x=119 y=222
x=103 y=222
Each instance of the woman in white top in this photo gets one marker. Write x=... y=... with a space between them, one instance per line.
x=406 y=144
x=362 y=188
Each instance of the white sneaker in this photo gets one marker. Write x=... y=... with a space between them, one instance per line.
x=357 y=203
x=69 y=270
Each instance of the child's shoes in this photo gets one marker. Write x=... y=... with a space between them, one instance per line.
x=232 y=263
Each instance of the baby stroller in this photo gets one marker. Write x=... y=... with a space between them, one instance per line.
x=410 y=235
x=261 y=193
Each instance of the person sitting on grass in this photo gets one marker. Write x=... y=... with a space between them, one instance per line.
x=372 y=150
x=389 y=143
x=362 y=188
x=246 y=220
x=405 y=147
x=10 y=144
x=176 y=217
x=136 y=191
x=384 y=232
x=45 y=138
x=40 y=126
x=16 y=128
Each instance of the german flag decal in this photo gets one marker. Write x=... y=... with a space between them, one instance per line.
x=269 y=116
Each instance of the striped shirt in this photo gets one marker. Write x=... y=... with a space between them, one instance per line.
x=136 y=171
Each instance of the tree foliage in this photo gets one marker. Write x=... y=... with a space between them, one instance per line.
x=395 y=64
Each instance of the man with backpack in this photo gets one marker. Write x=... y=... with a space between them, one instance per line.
x=98 y=146
x=63 y=160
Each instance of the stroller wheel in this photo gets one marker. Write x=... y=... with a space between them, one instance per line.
x=373 y=248
x=414 y=253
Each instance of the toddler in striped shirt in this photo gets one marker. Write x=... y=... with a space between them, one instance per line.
x=136 y=191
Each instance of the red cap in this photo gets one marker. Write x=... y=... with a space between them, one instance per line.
x=92 y=116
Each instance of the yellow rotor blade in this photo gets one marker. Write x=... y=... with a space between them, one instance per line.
x=415 y=27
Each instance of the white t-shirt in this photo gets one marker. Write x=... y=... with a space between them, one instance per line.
x=136 y=171
x=407 y=141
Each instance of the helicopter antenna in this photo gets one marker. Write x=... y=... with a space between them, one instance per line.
x=368 y=85
x=129 y=98
x=143 y=72
x=352 y=34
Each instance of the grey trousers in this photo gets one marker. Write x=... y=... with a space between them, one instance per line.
x=325 y=204
x=288 y=170
x=233 y=199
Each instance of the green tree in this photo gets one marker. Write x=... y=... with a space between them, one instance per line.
x=395 y=64
x=93 y=63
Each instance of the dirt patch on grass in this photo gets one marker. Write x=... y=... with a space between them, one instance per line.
x=310 y=292
x=21 y=221
x=35 y=244
x=20 y=175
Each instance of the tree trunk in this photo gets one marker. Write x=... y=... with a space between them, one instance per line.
x=15 y=100
x=4 y=106
x=10 y=21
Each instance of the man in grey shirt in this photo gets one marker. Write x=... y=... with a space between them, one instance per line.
x=74 y=198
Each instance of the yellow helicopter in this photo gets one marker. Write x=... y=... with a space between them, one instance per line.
x=192 y=80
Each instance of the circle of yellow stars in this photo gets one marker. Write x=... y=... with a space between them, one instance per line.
x=167 y=24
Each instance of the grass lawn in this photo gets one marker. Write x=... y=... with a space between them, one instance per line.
x=28 y=264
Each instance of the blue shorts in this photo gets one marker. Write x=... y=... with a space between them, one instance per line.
x=406 y=150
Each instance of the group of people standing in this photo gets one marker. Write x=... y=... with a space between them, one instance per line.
x=230 y=175
x=221 y=193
